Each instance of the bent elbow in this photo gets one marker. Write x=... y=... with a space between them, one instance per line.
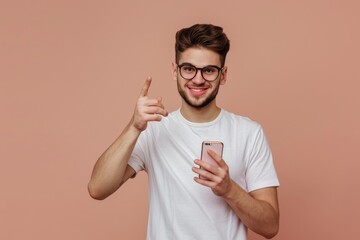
x=95 y=193
x=270 y=236
x=272 y=233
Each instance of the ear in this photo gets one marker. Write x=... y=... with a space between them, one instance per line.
x=174 y=71
x=223 y=76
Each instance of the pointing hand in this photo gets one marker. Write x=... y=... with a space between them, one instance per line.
x=147 y=109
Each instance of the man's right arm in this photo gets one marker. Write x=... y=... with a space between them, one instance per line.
x=111 y=169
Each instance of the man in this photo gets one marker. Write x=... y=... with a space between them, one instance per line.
x=190 y=198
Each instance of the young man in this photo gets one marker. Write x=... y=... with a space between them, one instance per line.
x=190 y=198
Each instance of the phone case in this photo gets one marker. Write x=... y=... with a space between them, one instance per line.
x=215 y=146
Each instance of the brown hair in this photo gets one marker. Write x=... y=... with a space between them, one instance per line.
x=202 y=35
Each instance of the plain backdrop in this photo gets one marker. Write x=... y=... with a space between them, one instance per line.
x=71 y=71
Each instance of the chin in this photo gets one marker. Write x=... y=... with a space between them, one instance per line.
x=199 y=104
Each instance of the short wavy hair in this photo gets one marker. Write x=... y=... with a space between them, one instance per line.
x=202 y=35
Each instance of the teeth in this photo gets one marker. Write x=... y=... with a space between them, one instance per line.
x=197 y=90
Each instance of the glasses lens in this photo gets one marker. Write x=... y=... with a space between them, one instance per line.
x=210 y=73
x=187 y=71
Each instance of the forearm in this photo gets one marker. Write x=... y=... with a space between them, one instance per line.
x=258 y=215
x=109 y=170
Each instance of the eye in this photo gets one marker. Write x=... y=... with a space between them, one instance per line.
x=209 y=70
x=188 y=69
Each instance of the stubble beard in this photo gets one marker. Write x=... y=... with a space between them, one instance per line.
x=201 y=104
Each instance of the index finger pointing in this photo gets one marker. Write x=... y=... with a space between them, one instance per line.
x=145 y=89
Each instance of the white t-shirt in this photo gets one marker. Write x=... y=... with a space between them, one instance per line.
x=180 y=208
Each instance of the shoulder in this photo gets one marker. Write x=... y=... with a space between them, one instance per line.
x=241 y=121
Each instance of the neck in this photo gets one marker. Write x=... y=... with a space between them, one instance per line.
x=200 y=115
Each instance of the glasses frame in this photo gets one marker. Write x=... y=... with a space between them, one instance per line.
x=199 y=69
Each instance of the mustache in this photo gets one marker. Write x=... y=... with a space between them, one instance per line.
x=203 y=85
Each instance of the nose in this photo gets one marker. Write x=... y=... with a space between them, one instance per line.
x=198 y=79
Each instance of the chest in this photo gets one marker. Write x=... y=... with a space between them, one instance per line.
x=175 y=149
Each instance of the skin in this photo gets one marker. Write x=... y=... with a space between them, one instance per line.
x=258 y=210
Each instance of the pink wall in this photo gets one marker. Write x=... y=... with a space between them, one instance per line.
x=70 y=72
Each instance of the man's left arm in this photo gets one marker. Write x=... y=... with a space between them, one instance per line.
x=258 y=210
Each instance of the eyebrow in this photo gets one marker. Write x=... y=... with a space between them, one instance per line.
x=189 y=64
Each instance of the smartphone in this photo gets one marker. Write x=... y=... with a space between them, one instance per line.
x=215 y=146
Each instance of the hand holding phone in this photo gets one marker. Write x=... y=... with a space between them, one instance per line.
x=215 y=146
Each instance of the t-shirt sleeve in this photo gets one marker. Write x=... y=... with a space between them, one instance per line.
x=260 y=172
x=137 y=158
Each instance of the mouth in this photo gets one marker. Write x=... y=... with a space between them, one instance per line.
x=197 y=91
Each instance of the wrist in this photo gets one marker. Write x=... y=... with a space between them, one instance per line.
x=233 y=192
x=132 y=129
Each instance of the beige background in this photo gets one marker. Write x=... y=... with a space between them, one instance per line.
x=71 y=71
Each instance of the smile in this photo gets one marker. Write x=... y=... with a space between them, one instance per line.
x=197 y=91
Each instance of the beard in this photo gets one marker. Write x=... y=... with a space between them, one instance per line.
x=194 y=103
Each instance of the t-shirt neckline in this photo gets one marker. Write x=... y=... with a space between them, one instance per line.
x=202 y=124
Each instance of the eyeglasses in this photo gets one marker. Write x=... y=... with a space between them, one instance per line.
x=209 y=73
